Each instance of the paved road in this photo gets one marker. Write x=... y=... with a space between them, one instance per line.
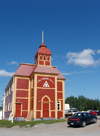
x=57 y=129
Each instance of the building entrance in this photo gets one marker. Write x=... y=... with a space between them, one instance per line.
x=45 y=107
x=18 y=109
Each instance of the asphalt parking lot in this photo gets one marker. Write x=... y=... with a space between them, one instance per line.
x=57 y=129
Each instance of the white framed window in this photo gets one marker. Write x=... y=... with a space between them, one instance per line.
x=8 y=107
x=58 y=105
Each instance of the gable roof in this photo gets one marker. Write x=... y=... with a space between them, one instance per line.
x=49 y=70
x=28 y=69
x=24 y=69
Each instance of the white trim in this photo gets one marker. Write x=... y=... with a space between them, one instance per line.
x=58 y=103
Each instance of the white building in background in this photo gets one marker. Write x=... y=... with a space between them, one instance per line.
x=3 y=110
x=67 y=107
x=0 y=114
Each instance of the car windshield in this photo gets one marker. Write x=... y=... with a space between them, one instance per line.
x=78 y=115
x=66 y=111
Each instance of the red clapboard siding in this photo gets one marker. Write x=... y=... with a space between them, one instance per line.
x=24 y=103
x=41 y=93
x=41 y=62
x=59 y=95
x=24 y=114
x=53 y=114
x=47 y=63
x=20 y=93
x=45 y=109
x=22 y=83
x=18 y=110
x=38 y=114
x=60 y=114
x=59 y=86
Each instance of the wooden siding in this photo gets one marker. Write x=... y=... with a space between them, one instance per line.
x=22 y=83
x=59 y=95
x=50 y=93
x=59 y=86
x=47 y=63
x=21 y=93
x=38 y=114
x=60 y=114
x=41 y=62
x=24 y=103
x=53 y=114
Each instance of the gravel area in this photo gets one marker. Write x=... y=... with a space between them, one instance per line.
x=57 y=129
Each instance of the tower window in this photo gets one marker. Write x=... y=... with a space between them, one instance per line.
x=47 y=57
x=44 y=57
x=41 y=57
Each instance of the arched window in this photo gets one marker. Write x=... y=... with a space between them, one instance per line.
x=40 y=57
x=47 y=57
x=44 y=57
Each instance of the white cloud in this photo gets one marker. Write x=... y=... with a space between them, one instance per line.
x=12 y=63
x=80 y=72
x=4 y=73
x=83 y=59
x=52 y=58
x=98 y=51
x=64 y=73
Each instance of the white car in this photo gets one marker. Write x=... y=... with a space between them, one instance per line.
x=70 y=112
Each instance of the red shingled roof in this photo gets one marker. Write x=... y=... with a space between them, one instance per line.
x=43 y=50
x=49 y=70
x=28 y=69
x=24 y=69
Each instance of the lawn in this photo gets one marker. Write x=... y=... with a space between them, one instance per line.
x=8 y=124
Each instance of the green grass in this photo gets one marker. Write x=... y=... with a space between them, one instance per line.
x=8 y=124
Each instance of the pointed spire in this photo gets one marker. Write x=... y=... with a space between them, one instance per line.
x=42 y=37
x=42 y=45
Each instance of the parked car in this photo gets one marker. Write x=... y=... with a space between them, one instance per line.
x=98 y=113
x=93 y=112
x=81 y=119
x=70 y=112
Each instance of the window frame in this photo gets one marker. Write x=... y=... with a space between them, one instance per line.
x=40 y=57
x=58 y=105
x=48 y=58
x=44 y=57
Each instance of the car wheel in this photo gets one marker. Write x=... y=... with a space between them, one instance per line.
x=94 y=120
x=83 y=124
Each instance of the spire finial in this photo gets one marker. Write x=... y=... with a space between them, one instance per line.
x=42 y=37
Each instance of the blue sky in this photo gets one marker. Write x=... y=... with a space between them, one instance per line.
x=71 y=32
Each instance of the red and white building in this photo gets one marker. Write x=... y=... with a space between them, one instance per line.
x=36 y=90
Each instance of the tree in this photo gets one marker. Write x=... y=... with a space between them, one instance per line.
x=83 y=103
